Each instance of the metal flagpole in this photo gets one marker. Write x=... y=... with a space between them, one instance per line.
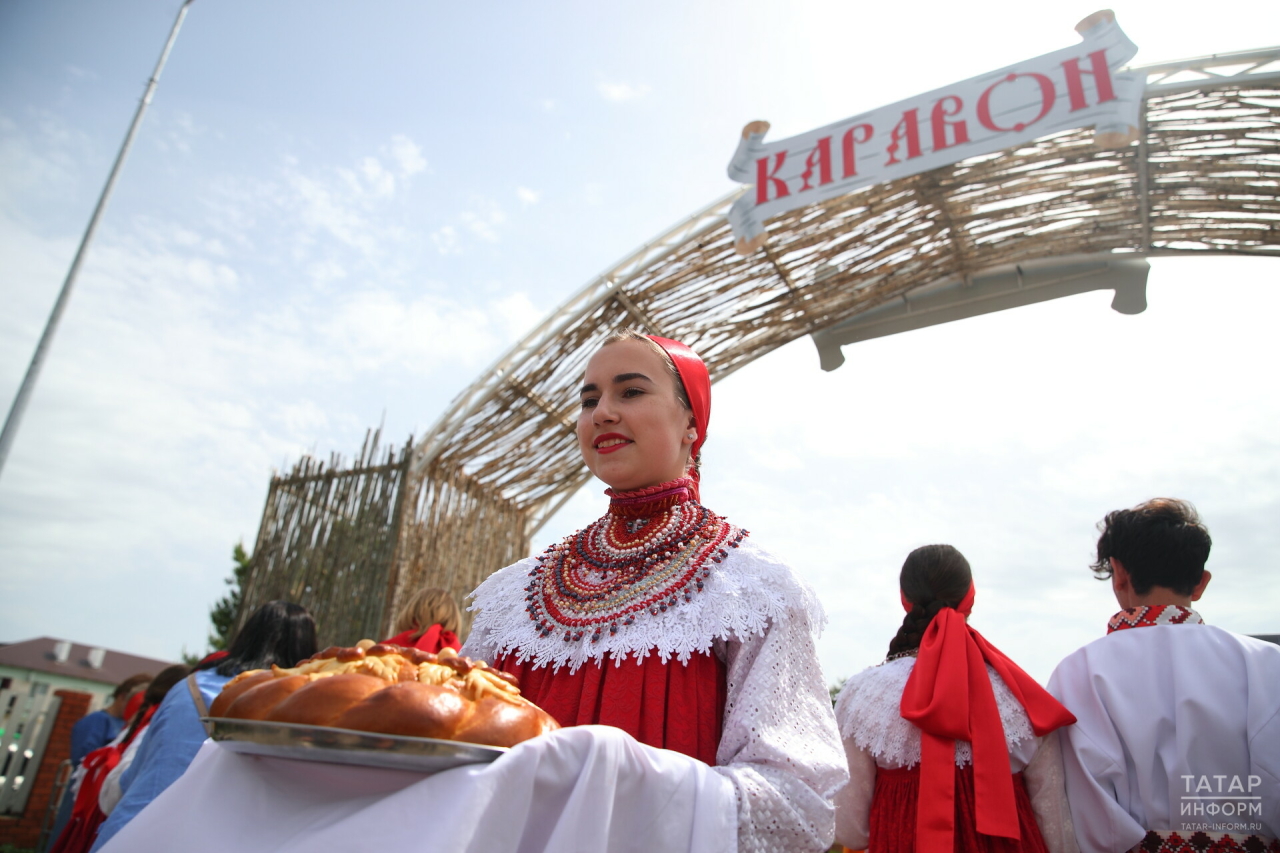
x=37 y=360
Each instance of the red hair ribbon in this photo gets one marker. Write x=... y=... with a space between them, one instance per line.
x=949 y=697
x=131 y=707
x=697 y=384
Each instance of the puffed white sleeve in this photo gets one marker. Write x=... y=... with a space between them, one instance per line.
x=779 y=745
x=1046 y=788
x=853 y=801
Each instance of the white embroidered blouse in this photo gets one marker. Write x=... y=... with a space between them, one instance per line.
x=779 y=746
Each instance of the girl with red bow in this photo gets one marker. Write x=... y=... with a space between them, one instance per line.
x=946 y=740
x=429 y=620
x=664 y=619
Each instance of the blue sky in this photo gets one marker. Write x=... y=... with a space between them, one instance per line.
x=337 y=215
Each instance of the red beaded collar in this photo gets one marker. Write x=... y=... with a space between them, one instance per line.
x=649 y=501
x=653 y=551
x=1147 y=616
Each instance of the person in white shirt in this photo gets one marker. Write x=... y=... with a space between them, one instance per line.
x=1177 y=741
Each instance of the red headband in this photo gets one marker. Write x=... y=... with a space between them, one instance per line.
x=949 y=696
x=697 y=384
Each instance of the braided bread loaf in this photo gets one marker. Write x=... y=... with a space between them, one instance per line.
x=389 y=690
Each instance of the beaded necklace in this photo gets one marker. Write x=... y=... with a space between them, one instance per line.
x=651 y=552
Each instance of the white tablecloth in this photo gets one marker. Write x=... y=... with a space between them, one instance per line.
x=588 y=788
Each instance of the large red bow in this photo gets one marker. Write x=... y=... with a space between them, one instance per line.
x=949 y=697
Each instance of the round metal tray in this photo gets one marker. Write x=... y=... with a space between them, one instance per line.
x=345 y=746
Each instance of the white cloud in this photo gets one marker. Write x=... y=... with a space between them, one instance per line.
x=327 y=271
x=445 y=240
x=407 y=155
x=323 y=209
x=481 y=221
x=376 y=328
x=379 y=180
x=517 y=315
x=527 y=196
x=305 y=417
x=619 y=91
x=345 y=203
x=484 y=219
x=48 y=159
x=177 y=132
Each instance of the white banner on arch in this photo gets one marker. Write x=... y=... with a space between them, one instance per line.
x=1075 y=87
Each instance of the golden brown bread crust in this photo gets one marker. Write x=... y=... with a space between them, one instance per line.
x=259 y=700
x=498 y=723
x=324 y=700
x=390 y=690
x=410 y=709
x=240 y=684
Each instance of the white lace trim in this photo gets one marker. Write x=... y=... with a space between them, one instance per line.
x=746 y=590
x=868 y=710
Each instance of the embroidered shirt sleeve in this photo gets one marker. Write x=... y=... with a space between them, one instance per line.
x=779 y=744
x=1047 y=790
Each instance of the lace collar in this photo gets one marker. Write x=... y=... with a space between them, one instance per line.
x=869 y=711
x=1153 y=614
x=745 y=592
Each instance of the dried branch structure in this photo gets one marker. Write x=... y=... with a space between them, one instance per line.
x=327 y=541
x=1203 y=178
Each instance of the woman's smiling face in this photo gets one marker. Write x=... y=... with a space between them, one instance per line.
x=632 y=429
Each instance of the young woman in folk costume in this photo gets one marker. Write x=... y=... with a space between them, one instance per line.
x=665 y=620
x=946 y=740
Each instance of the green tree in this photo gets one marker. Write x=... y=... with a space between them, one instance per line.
x=834 y=690
x=225 y=613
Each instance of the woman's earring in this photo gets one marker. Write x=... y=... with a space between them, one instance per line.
x=693 y=436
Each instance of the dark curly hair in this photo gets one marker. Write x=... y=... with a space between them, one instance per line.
x=1161 y=542
x=933 y=577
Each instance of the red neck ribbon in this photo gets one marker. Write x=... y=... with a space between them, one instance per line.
x=697 y=384
x=949 y=697
x=435 y=638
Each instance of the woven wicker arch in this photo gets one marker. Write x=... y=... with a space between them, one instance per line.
x=1203 y=178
